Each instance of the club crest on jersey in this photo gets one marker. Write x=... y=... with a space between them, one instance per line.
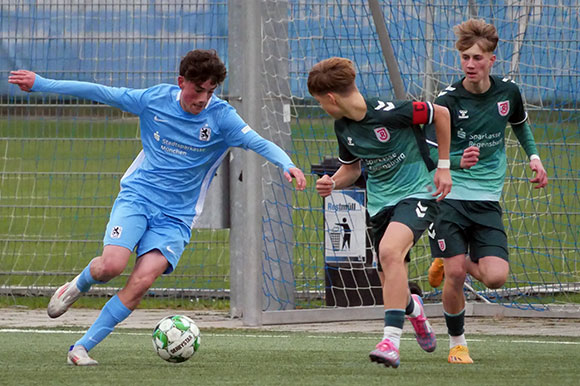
x=442 y=245
x=503 y=108
x=382 y=134
x=205 y=133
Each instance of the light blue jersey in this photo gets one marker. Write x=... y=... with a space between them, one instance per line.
x=181 y=151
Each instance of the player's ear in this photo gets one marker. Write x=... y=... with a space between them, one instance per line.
x=180 y=81
x=332 y=97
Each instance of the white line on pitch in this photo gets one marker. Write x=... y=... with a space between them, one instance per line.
x=39 y=331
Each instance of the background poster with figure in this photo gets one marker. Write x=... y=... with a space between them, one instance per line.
x=345 y=226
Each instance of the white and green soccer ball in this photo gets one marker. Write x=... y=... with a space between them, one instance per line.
x=176 y=338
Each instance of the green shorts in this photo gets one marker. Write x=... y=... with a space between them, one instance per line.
x=415 y=213
x=473 y=227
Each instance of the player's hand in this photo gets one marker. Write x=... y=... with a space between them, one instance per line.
x=324 y=186
x=541 y=178
x=298 y=175
x=443 y=183
x=23 y=79
x=470 y=157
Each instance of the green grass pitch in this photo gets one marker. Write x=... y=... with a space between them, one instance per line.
x=253 y=357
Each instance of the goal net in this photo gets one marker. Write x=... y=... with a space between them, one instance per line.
x=538 y=48
x=61 y=158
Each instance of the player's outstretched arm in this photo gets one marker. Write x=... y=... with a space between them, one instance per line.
x=541 y=178
x=298 y=175
x=124 y=98
x=276 y=155
x=23 y=79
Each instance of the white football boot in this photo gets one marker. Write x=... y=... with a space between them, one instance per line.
x=63 y=298
x=78 y=356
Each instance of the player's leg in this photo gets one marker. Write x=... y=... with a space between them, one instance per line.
x=147 y=269
x=127 y=223
x=488 y=249
x=448 y=240
x=488 y=261
x=417 y=216
x=100 y=270
x=492 y=271
x=454 y=308
x=394 y=245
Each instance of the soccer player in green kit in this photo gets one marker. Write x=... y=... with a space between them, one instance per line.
x=401 y=191
x=469 y=233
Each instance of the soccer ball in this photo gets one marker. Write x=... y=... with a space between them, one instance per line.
x=176 y=338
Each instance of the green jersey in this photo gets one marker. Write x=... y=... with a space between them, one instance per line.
x=480 y=120
x=385 y=141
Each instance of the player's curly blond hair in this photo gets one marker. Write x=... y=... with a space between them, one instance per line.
x=476 y=31
x=332 y=75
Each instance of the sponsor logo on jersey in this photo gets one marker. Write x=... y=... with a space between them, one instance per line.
x=116 y=232
x=382 y=134
x=462 y=114
x=441 y=243
x=503 y=108
x=461 y=133
x=205 y=133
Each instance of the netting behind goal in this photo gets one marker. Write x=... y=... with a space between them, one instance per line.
x=61 y=158
x=539 y=49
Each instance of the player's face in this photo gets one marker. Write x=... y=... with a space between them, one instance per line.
x=476 y=64
x=194 y=96
x=328 y=104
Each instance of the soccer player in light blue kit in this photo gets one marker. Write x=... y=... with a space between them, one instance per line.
x=186 y=131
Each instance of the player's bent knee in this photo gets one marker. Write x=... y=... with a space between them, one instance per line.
x=103 y=270
x=495 y=282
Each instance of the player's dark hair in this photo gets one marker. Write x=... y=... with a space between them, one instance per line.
x=200 y=65
x=476 y=31
x=332 y=75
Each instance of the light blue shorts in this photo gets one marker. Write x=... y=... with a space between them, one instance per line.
x=142 y=225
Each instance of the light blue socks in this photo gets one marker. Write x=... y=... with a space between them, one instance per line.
x=85 y=280
x=113 y=313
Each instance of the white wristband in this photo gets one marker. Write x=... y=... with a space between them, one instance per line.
x=333 y=184
x=443 y=164
x=534 y=156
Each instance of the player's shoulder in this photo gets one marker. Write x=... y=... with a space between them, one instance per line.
x=219 y=103
x=161 y=91
x=162 y=88
x=452 y=90
x=386 y=105
x=505 y=83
